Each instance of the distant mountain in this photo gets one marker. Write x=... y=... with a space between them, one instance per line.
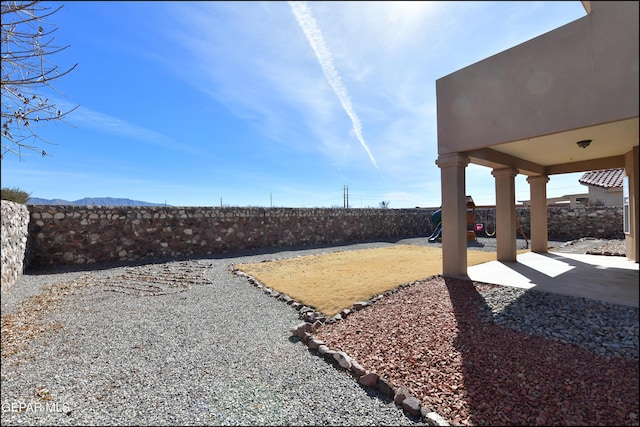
x=91 y=201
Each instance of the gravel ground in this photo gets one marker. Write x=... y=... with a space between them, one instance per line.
x=188 y=342
x=174 y=343
x=483 y=355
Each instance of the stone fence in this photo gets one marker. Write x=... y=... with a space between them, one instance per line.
x=565 y=223
x=62 y=235
x=15 y=220
x=90 y=234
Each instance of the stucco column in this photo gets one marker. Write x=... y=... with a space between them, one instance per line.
x=632 y=239
x=454 y=214
x=538 y=213
x=505 y=214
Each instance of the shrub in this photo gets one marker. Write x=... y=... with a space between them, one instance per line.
x=14 y=195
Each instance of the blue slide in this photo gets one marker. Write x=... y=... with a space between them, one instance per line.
x=436 y=218
x=436 y=233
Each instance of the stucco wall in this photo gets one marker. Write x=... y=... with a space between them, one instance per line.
x=605 y=197
x=15 y=219
x=559 y=81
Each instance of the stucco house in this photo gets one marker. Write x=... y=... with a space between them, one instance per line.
x=604 y=189
x=605 y=186
x=563 y=102
x=571 y=200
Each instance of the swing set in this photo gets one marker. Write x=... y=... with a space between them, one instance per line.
x=480 y=227
x=472 y=227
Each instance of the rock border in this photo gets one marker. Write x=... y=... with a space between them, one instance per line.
x=312 y=320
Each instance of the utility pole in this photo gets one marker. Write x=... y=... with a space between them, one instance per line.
x=346 y=196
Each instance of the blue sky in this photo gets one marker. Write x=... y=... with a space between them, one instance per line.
x=268 y=103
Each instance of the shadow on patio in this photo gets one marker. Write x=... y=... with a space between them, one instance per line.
x=603 y=278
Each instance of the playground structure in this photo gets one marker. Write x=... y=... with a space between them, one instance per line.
x=436 y=218
x=472 y=227
x=485 y=228
x=471 y=220
x=521 y=231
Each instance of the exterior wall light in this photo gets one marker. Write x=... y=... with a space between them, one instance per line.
x=584 y=143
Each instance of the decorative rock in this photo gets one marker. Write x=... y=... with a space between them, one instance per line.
x=424 y=410
x=357 y=369
x=384 y=387
x=343 y=360
x=344 y=313
x=369 y=380
x=587 y=331
x=296 y=305
x=360 y=305
x=285 y=298
x=322 y=349
x=329 y=355
x=314 y=343
x=411 y=405
x=401 y=394
x=301 y=329
x=316 y=325
x=433 y=419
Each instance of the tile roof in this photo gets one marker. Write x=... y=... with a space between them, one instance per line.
x=606 y=178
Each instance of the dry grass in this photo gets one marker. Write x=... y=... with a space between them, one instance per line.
x=30 y=319
x=332 y=282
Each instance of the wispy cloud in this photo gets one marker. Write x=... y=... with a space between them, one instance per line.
x=87 y=118
x=311 y=30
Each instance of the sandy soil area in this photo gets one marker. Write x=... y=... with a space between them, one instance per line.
x=334 y=281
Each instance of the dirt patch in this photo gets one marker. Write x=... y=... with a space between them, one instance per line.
x=332 y=282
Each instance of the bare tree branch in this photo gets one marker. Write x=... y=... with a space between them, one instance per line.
x=27 y=44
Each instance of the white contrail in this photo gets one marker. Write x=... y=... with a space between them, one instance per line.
x=308 y=24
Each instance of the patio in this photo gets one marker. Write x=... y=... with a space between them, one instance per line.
x=612 y=279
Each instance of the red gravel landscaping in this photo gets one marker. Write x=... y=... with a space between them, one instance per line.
x=428 y=338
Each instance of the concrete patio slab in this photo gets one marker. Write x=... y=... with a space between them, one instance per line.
x=612 y=279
